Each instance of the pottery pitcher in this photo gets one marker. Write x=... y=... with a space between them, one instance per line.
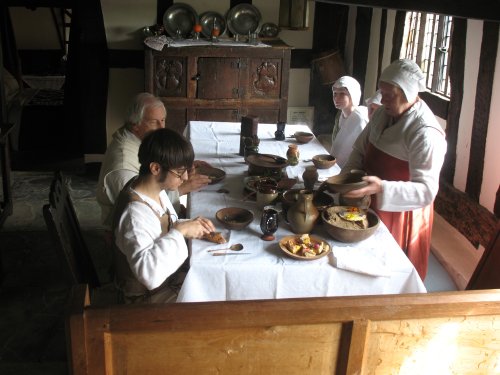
x=303 y=214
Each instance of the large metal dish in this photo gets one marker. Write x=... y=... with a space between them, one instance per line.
x=269 y=30
x=210 y=19
x=242 y=19
x=180 y=17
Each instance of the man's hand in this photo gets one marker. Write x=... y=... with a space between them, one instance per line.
x=201 y=163
x=194 y=228
x=194 y=183
x=374 y=187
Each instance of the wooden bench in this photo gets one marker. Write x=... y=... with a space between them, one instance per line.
x=450 y=332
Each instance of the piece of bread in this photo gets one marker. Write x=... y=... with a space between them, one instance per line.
x=215 y=237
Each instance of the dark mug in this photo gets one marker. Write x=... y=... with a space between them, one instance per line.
x=279 y=134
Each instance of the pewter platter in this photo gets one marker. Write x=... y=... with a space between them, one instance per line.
x=242 y=19
x=207 y=21
x=181 y=17
x=269 y=30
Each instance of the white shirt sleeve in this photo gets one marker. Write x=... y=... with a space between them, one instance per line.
x=152 y=257
x=114 y=182
x=426 y=156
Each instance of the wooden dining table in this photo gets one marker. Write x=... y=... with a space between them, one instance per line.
x=264 y=271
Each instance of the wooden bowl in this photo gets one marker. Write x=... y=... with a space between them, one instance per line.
x=345 y=182
x=215 y=174
x=348 y=235
x=303 y=137
x=235 y=218
x=324 y=161
x=266 y=165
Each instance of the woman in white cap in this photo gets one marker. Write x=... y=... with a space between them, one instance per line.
x=402 y=151
x=373 y=103
x=350 y=120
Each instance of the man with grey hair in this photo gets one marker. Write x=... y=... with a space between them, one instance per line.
x=402 y=150
x=121 y=163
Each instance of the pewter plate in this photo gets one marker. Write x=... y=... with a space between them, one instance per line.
x=269 y=30
x=242 y=19
x=208 y=20
x=181 y=17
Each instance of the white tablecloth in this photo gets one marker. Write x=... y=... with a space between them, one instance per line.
x=267 y=272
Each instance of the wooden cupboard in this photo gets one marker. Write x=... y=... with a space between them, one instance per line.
x=219 y=83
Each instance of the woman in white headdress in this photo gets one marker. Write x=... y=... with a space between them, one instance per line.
x=373 y=103
x=351 y=118
x=402 y=150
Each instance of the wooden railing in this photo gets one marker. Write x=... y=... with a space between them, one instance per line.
x=457 y=332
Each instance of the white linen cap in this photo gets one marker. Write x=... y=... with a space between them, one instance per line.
x=375 y=99
x=406 y=75
x=351 y=85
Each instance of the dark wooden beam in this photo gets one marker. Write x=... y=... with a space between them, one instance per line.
x=479 y=9
x=68 y=4
x=457 y=69
x=361 y=44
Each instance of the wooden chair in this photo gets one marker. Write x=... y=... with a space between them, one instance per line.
x=486 y=275
x=447 y=332
x=63 y=225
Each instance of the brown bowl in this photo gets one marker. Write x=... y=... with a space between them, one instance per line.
x=234 y=217
x=324 y=161
x=343 y=234
x=303 y=137
x=286 y=183
x=266 y=165
x=345 y=182
x=215 y=174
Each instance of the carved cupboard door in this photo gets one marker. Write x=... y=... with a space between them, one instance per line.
x=218 y=78
x=170 y=76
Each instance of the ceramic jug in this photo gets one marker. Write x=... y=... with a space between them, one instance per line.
x=293 y=155
x=302 y=215
x=310 y=176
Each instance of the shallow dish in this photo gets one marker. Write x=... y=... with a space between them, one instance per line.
x=345 y=182
x=303 y=137
x=180 y=17
x=252 y=182
x=301 y=257
x=265 y=165
x=210 y=19
x=242 y=19
x=215 y=174
x=349 y=235
x=324 y=161
x=235 y=218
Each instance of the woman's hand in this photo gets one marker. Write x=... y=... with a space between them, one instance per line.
x=374 y=186
x=194 y=228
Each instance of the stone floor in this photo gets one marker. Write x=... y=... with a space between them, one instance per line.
x=33 y=292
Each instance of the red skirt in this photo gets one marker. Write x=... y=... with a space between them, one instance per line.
x=412 y=230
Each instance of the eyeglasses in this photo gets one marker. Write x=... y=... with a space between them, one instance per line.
x=178 y=174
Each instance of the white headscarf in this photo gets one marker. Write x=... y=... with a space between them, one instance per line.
x=351 y=85
x=406 y=75
x=375 y=99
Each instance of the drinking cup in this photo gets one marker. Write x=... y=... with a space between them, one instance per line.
x=266 y=196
